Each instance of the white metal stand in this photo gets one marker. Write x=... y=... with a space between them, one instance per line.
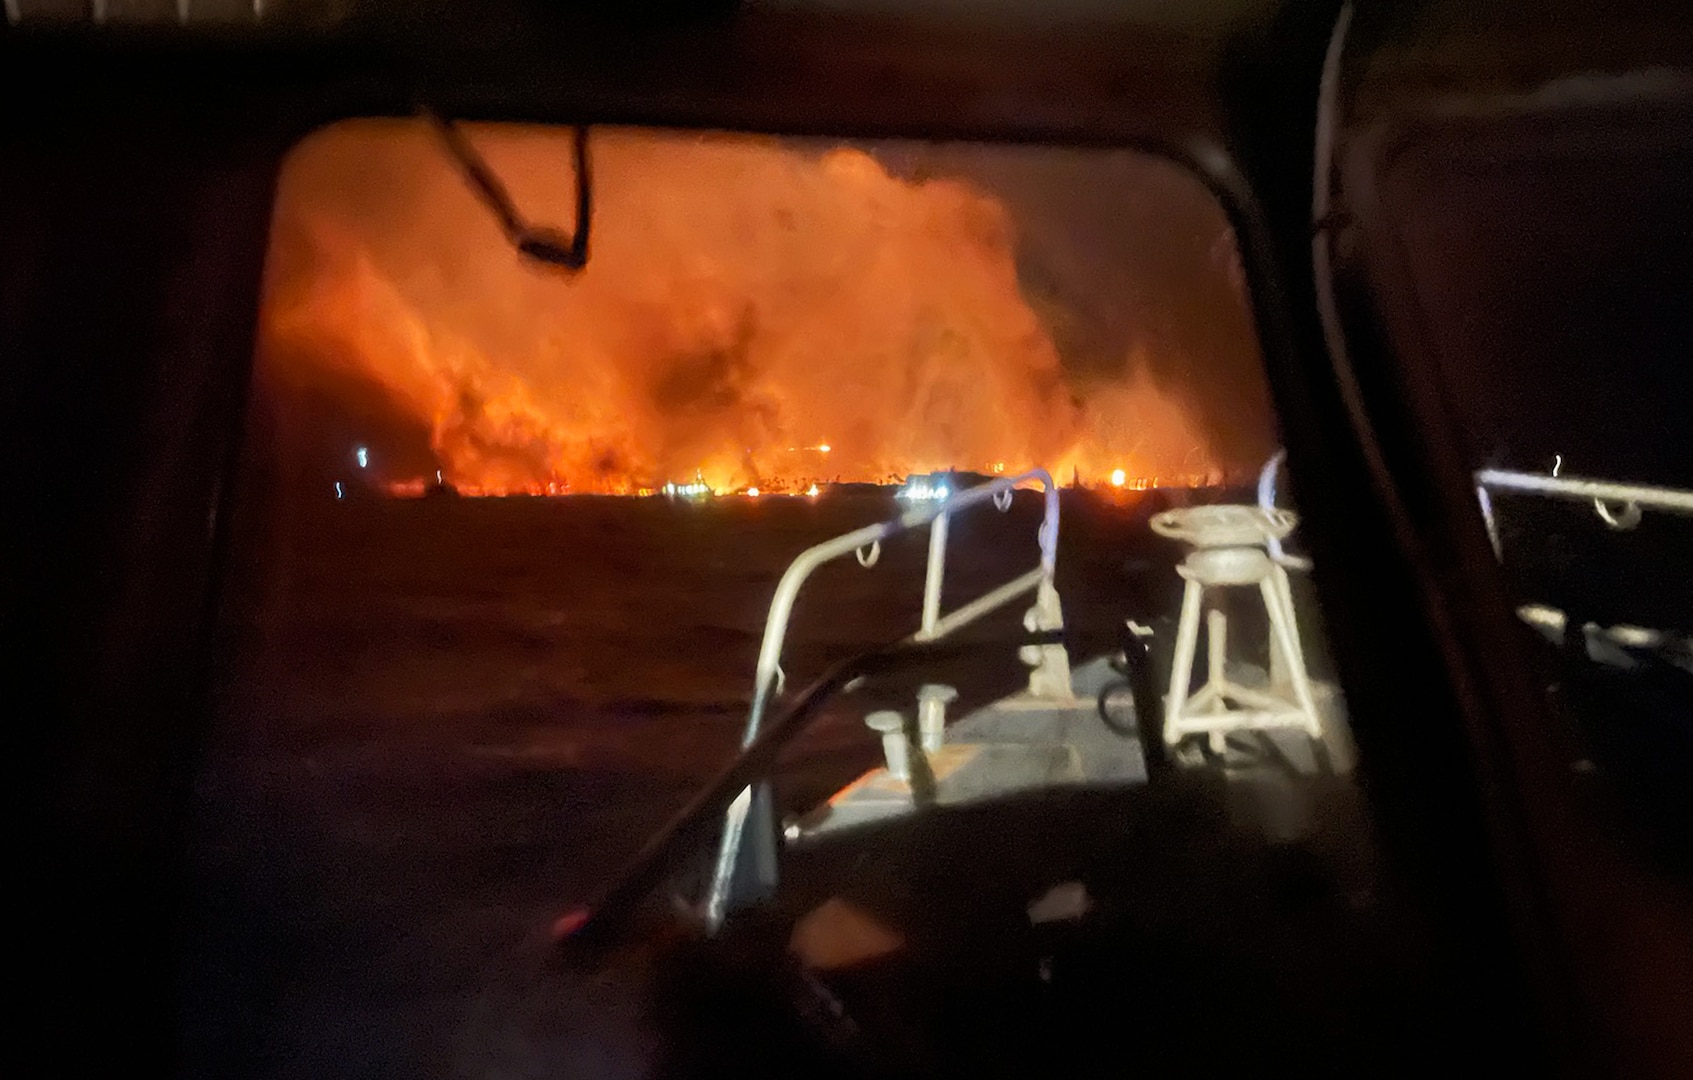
x=1230 y=551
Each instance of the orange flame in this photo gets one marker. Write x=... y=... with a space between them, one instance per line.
x=754 y=315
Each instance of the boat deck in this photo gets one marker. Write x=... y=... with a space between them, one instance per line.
x=1022 y=743
x=1059 y=910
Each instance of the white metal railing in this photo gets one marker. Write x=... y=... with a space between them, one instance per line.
x=1267 y=503
x=866 y=544
x=1618 y=505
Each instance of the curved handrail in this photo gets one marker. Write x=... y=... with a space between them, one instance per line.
x=1602 y=493
x=1267 y=502
x=1582 y=488
x=601 y=917
x=933 y=626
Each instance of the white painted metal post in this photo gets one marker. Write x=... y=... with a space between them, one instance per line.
x=935 y=574
x=1216 y=644
x=1487 y=519
x=1051 y=659
x=932 y=700
x=889 y=725
x=1267 y=496
x=1181 y=666
x=1278 y=601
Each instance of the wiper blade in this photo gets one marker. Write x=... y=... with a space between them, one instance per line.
x=543 y=243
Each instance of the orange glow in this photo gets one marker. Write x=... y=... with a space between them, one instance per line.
x=742 y=296
x=752 y=493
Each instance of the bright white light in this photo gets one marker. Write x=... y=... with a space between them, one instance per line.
x=338 y=489
x=920 y=490
x=752 y=493
x=363 y=454
x=824 y=448
x=1557 y=463
x=1118 y=476
x=812 y=491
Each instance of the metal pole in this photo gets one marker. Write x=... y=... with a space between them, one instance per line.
x=1216 y=647
x=988 y=601
x=781 y=609
x=1581 y=489
x=1487 y=518
x=1049 y=525
x=1267 y=496
x=935 y=575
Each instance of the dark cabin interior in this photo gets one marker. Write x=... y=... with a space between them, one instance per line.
x=1511 y=262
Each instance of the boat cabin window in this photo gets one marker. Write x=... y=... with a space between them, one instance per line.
x=1543 y=251
x=521 y=562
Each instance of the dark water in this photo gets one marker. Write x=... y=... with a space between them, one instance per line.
x=445 y=721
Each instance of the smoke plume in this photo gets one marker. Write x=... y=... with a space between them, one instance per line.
x=747 y=304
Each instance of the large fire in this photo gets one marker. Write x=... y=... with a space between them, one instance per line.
x=753 y=315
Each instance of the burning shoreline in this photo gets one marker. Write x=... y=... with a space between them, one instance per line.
x=755 y=315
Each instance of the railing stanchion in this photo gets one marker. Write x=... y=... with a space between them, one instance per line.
x=934 y=576
x=1051 y=663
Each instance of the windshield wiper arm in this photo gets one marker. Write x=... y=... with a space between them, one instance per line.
x=542 y=243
